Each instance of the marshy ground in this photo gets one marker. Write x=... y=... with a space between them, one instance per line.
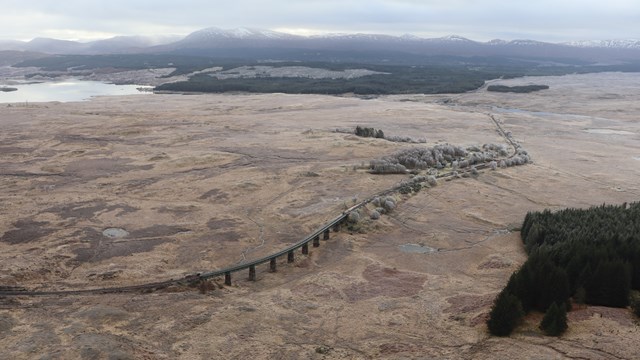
x=124 y=190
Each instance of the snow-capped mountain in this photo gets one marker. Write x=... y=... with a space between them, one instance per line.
x=525 y=42
x=452 y=38
x=252 y=43
x=612 y=44
x=214 y=33
x=497 y=42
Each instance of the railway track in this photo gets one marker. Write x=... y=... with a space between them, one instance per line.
x=313 y=239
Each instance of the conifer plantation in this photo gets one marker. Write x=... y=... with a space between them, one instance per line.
x=592 y=255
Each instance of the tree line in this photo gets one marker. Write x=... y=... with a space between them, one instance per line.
x=591 y=256
x=517 y=89
x=442 y=155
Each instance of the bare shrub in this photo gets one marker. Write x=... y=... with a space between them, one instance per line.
x=386 y=167
x=363 y=131
x=405 y=139
x=419 y=179
x=432 y=180
x=389 y=204
x=369 y=132
x=354 y=217
x=376 y=201
x=439 y=156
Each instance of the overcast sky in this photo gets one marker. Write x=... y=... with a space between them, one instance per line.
x=545 y=20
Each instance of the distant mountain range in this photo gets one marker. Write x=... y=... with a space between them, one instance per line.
x=267 y=44
x=118 y=44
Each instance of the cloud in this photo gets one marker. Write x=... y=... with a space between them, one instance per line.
x=481 y=20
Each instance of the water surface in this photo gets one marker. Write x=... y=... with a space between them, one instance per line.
x=608 y=132
x=64 y=91
x=417 y=249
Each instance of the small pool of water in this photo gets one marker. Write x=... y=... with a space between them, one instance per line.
x=115 y=233
x=417 y=249
x=65 y=91
x=521 y=111
x=608 y=132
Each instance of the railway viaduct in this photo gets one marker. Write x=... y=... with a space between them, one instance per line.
x=314 y=239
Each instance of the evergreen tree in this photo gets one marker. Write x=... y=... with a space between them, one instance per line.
x=521 y=285
x=554 y=322
x=554 y=287
x=534 y=237
x=610 y=284
x=635 y=304
x=591 y=254
x=505 y=314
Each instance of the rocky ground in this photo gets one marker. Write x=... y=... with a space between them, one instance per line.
x=124 y=190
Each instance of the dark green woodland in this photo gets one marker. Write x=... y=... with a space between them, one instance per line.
x=591 y=256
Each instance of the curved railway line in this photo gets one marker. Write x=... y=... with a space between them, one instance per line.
x=313 y=239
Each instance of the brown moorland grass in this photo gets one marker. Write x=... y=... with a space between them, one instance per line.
x=204 y=181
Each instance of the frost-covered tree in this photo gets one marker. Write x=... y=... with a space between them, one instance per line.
x=389 y=203
x=354 y=217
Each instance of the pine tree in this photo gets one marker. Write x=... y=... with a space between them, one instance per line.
x=610 y=284
x=554 y=322
x=520 y=284
x=534 y=237
x=505 y=314
x=553 y=285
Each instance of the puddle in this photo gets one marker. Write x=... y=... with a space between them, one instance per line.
x=115 y=233
x=521 y=111
x=417 y=249
x=607 y=132
x=636 y=158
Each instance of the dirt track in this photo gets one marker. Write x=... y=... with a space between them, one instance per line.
x=197 y=180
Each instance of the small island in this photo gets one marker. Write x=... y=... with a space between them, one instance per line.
x=7 y=89
x=517 y=89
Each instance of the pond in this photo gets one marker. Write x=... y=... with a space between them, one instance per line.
x=64 y=91
x=417 y=249
x=608 y=132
